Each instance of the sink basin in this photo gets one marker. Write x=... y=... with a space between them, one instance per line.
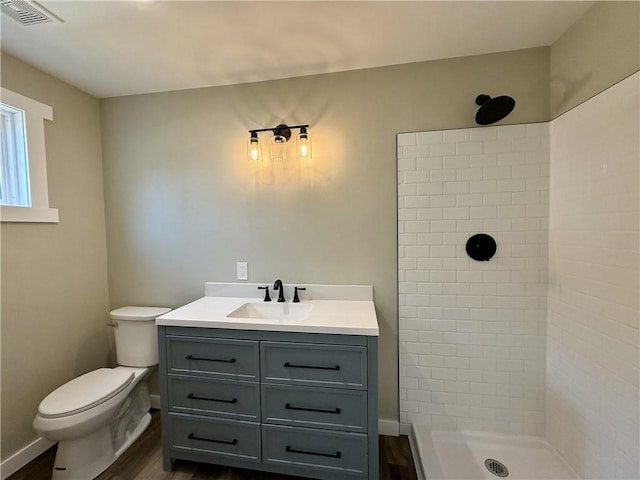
x=273 y=311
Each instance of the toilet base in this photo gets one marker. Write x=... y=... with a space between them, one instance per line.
x=87 y=457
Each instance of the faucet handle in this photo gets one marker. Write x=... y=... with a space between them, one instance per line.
x=296 y=299
x=267 y=298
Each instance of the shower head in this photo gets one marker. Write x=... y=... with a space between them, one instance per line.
x=493 y=110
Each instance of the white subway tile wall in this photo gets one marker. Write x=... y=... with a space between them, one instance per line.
x=472 y=334
x=593 y=373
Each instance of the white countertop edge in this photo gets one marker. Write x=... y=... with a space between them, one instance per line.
x=290 y=328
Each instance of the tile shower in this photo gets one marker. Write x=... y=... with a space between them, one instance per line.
x=543 y=338
x=472 y=333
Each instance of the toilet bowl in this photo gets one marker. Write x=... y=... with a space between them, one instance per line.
x=98 y=415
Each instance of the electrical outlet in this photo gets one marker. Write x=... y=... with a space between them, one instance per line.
x=242 y=272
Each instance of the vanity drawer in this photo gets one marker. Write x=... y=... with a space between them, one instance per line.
x=206 y=396
x=218 y=357
x=317 y=407
x=314 y=364
x=217 y=437
x=317 y=450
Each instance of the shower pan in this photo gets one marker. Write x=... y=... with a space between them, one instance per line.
x=449 y=455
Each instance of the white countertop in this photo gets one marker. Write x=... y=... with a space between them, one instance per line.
x=341 y=317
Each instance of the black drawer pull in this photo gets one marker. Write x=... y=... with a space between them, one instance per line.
x=204 y=359
x=307 y=452
x=192 y=436
x=191 y=396
x=289 y=365
x=288 y=406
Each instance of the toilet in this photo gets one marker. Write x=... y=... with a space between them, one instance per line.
x=97 y=416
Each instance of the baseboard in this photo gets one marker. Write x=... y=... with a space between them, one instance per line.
x=388 y=427
x=155 y=401
x=15 y=462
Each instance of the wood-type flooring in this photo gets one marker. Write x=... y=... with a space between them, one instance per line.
x=143 y=461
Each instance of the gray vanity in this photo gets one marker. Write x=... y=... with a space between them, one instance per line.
x=277 y=391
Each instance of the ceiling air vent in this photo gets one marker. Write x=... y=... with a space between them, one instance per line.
x=26 y=13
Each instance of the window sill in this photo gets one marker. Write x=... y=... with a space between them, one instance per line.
x=9 y=214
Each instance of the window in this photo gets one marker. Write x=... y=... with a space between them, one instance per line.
x=24 y=194
x=14 y=166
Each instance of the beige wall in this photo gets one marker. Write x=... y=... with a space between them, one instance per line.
x=183 y=206
x=602 y=48
x=54 y=276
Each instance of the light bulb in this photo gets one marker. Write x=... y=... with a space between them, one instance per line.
x=254 y=150
x=255 y=153
x=303 y=141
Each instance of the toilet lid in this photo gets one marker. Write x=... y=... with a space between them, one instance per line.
x=85 y=392
x=138 y=313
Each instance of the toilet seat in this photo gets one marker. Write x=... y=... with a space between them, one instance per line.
x=85 y=392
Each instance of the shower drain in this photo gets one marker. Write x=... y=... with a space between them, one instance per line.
x=496 y=467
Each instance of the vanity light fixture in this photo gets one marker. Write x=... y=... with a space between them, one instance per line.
x=281 y=135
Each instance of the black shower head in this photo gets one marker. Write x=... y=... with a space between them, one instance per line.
x=493 y=110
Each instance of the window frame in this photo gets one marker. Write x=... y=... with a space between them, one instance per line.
x=34 y=115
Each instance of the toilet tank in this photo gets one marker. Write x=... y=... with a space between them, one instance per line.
x=136 y=335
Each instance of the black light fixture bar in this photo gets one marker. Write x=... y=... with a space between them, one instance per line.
x=282 y=130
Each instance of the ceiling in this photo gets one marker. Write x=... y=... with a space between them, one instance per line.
x=115 y=48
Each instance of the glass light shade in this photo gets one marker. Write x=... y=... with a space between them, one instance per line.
x=303 y=145
x=254 y=149
x=279 y=148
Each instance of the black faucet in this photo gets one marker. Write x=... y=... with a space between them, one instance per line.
x=278 y=286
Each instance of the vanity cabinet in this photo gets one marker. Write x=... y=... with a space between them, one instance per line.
x=293 y=403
